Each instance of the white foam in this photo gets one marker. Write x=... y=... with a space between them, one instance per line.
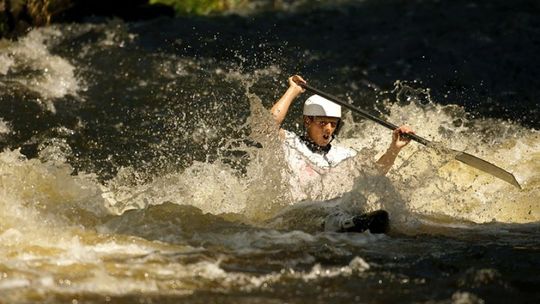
x=51 y=75
x=13 y=283
x=6 y=62
x=11 y=236
x=217 y=190
x=5 y=127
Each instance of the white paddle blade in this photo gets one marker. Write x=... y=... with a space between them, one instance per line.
x=487 y=167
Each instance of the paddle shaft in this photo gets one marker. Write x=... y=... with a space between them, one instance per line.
x=376 y=119
x=463 y=157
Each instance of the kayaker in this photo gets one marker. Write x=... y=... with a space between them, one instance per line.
x=312 y=154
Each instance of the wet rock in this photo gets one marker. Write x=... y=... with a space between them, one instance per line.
x=17 y=16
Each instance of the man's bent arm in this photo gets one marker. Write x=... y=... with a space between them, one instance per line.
x=398 y=141
x=387 y=160
x=281 y=107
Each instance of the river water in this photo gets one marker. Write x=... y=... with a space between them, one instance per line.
x=140 y=163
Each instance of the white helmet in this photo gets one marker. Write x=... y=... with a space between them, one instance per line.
x=320 y=106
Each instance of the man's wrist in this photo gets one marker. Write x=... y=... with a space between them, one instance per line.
x=294 y=91
x=394 y=151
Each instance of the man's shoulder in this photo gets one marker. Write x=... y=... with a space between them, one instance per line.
x=289 y=134
x=340 y=153
x=291 y=139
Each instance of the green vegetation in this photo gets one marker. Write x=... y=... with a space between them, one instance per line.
x=200 y=7
x=16 y=16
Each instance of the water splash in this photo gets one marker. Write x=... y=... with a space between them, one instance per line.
x=432 y=182
x=29 y=62
x=192 y=218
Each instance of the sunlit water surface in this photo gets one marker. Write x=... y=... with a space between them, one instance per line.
x=136 y=171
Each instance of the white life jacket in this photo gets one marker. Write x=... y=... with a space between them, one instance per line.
x=308 y=168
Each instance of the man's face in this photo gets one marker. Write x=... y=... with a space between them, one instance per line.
x=321 y=128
